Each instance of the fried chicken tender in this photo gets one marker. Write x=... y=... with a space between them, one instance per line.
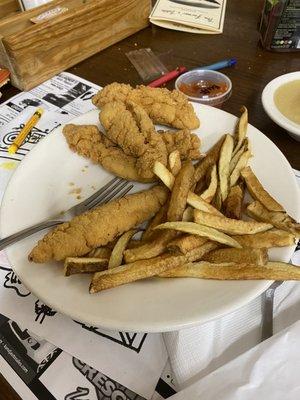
x=164 y=107
x=89 y=142
x=129 y=126
x=187 y=143
x=99 y=226
x=123 y=129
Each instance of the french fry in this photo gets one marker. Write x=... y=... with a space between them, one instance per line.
x=185 y=243
x=234 y=159
x=174 y=162
x=268 y=239
x=181 y=187
x=280 y=220
x=99 y=252
x=164 y=174
x=199 y=252
x=217 y=200
x=198 y=203
x=159 y=217
x=192 y=199
x=242 y=256
x=200 y=186
x=188 y=214
x=144 y=268
x=211 y=158
x=209 y=193
x=228 y=225
x=82 y=265
x=117 y=253
x=258 y=192
x=277 y=271
x=149 y=249
x=201 y=230
x=134 y=271
x=241 y=164
x=133 y=243
x=234 y=202
x=223 y=165
x=241 y=131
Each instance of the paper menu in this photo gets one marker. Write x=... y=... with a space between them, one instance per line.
x=196 y=16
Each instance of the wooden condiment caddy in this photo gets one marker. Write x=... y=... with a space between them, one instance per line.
x=8 y=7
x=36 y=52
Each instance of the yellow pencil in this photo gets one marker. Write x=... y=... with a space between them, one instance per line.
x=25 y=131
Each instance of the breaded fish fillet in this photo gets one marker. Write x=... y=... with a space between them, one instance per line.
x=123 y=129
x=88 y=141
x=129 y=126
x=99 y=226
x=187 y=143
x=164 y=107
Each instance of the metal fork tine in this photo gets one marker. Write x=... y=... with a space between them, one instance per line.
x=118 y=193
x=100 y=191
x=124 y=192
x=102 y=195
x=112 y=194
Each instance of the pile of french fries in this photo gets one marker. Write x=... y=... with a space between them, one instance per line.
x=201 y=232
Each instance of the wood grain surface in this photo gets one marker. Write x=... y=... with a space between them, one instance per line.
x=255 y=68
x=8 y=7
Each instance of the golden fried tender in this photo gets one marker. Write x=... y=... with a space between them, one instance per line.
x=89 y=142
x=99 y=226
x=164 y=107
x=123 y=129
x=113 y=92
x=129 y=126
x=187 y=143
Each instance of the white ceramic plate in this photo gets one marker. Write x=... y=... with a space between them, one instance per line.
x=39 y=188
x=267 y=97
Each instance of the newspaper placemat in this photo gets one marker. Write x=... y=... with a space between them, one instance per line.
x=132 y=359
x=39 y=370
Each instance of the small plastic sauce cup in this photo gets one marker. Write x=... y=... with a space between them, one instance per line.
x=204 y=86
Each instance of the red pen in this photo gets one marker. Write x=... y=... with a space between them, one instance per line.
x=167 y=77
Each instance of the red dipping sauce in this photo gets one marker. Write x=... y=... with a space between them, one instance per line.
x=203 y=88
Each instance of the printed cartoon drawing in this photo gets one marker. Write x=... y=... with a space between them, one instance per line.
x=131 y=340
x=78 y=394
x=13 y=282
x=36 y=348
x=42 y=311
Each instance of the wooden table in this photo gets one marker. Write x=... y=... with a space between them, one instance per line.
x=255 y=68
